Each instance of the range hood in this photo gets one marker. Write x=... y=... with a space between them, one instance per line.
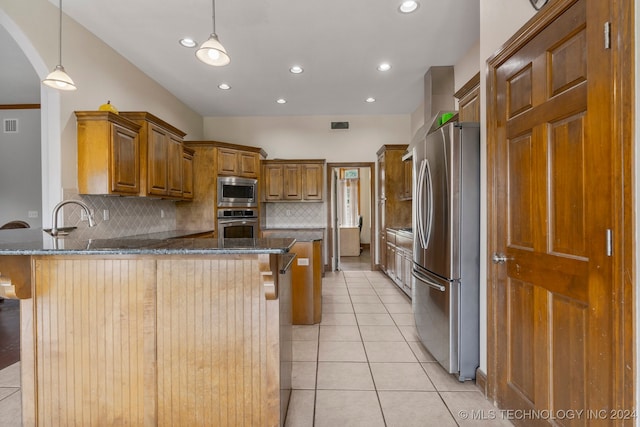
x=438 y=100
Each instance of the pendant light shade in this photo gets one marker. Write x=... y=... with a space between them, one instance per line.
x=58 y=78
x=211 y=52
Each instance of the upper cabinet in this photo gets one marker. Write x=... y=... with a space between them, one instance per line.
x=469 y=100
x=108 y=154
x=293 y=180
x=131 y=153
x=162 y=149
x=187 y=173
x=238 y=162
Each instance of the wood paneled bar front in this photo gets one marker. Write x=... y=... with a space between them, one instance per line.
x=146 y=332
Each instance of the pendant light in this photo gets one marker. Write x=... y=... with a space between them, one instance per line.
x=211 y=52
x=58 y=78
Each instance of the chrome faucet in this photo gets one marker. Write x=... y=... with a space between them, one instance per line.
x=54 y=221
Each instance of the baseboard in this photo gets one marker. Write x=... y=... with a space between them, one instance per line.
x=481 y=381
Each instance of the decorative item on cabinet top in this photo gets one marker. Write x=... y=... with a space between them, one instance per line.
x=129 y=154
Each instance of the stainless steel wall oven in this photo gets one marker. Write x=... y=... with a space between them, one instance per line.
x=237 y=223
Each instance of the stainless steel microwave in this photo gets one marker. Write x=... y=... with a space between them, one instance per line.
x=237 y=192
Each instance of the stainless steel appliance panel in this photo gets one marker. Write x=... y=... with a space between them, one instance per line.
x=237 y=192
x=237 y=224
x=435 y=308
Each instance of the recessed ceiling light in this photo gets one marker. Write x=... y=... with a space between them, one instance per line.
x=188 y=42
x=296 y=69
x=370 y=100
x=281 y=101
x=224 y=86
x=408 y=6
x=385 y=66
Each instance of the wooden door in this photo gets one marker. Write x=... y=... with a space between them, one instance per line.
x=157 y=153
x=227 y=162
x=187 y=174
x=312 y=188
x=273 y=182
x=174 y=166
x=248 y=164
x=125 y=166
x=292 y=182
x=555 y=333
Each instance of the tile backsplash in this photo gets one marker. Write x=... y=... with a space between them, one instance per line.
x=128 y=216
x=296 y=215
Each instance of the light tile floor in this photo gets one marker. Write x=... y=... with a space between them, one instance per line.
x=363 y=365
x=10 y=403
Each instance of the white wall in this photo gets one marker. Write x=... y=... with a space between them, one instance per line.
x=310 y=137
x=499 y=20
x=100 y=73
x=20 y=174
x=467 y=67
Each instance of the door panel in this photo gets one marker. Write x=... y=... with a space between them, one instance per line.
x=550 y=204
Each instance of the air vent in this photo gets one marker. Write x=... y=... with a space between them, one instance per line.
x=10 y=125
x=339 y=125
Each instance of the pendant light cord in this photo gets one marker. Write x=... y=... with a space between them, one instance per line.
x=213 y=14
x=60 y=36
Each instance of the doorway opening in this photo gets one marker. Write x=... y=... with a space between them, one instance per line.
x=351 y=216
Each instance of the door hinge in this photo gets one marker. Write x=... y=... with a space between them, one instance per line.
x=607 y=35
x=609 y=242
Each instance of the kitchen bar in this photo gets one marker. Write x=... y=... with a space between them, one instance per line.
x=151 y=331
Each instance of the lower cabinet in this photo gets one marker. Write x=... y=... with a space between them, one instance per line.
x=306 y=286
x=399 y=258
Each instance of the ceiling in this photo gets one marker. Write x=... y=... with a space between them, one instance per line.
x=338 y=43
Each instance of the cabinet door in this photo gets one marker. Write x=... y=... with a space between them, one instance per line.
x=381 y=177
x=227 y=161
x=187 y=176
x=292 y=182
x=248 y=164
x=399 y=264
x=157 y=155
x=273 y=182
x=408 y=174
x=174 y=167
x=469 y=106
x=312 y=188
x=382 y=246
x=391 y=261
x=407 y=265
x=125 y=160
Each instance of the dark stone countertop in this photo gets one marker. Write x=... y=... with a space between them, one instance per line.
x=37 y=242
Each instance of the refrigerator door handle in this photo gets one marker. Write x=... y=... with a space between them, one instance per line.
x=420 y=213
x=415 y=273
x=430 y=218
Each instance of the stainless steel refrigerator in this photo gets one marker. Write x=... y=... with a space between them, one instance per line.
x=446 y=251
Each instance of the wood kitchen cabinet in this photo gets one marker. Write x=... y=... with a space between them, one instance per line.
x=394 y=207
x=201 y=210
x=407 y=176
x=108 y=154
x=187 y=173
x=306 y=290
x=238 y=163
x=469 y=100
x=399 y=258
x=293 y=180
x=161 y=155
